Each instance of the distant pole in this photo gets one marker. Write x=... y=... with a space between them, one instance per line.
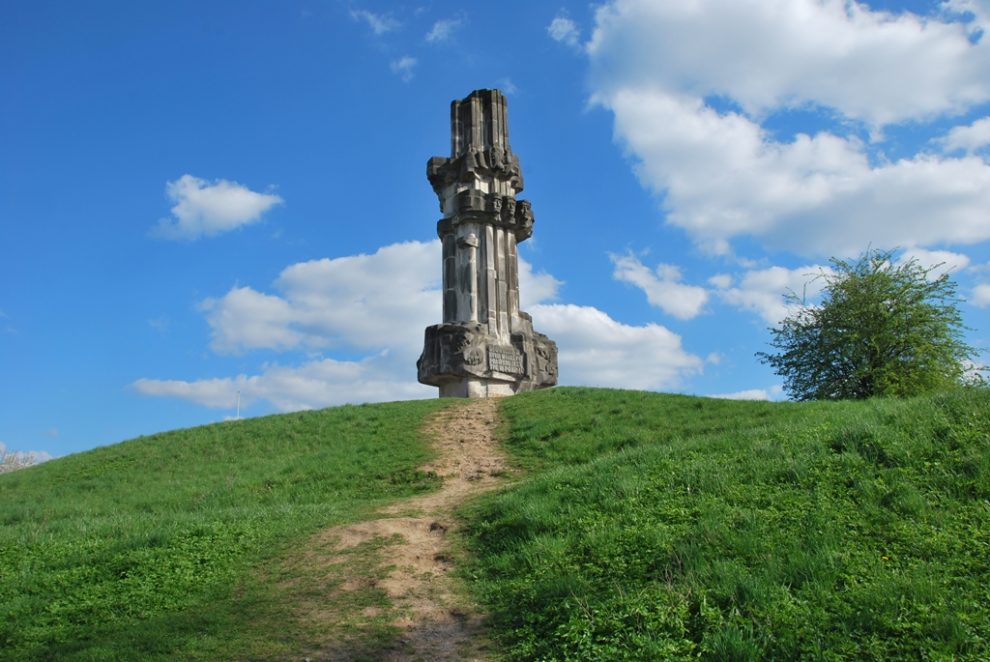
x=238 y=405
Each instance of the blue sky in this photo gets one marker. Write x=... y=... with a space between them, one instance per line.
x=204 y=199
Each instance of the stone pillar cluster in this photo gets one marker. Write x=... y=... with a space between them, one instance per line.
x=485 y=346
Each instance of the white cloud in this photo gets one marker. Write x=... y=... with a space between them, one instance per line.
x=535 y=288
x=367 y=302
x=663 y=288
x=360 y=301
x=564 y=30
x=320 y=383
x=763 y=290
x=403 y=67
x=768 y=54
x=378 y=305
x=247 y=319
x=723 y=176
x=981 y=295
x=596 y=350
x=748 y=394
x=968 y=138
x=940 y=262
x=206 y=209
x=379 y=23
x=443 y=29
x=721 y=281
x=980 y=9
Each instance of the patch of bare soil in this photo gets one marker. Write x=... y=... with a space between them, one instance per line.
x=434 y=619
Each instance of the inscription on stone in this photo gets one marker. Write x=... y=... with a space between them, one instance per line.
x=505 y=359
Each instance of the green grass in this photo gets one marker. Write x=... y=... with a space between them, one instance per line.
x=668 y=527
x=644 y=527
x=150 y=549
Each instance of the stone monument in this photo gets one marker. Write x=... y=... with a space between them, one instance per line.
x=485 y=346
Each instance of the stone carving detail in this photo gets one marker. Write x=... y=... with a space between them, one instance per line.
x=485 y=346
x=452 y=349
x=546 y=359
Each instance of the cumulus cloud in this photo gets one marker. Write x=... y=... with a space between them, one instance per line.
x=721 y=281
x=535 y=287
x=443 y=29
x=663 y=287
x=980 y=296
x=204 y=209
x=763 y=290
x=379 y=23
x=377 y=306
x=968 y=138
x=360 y=301
x=564 y=30
x=940 y=262
x=247 y=319
x=403 y=67
x=312 y=385
x=766 y=291
x=722 y=175
x=867 y=65
x=978 y=9
x=748 y=394
x=365 y=302
x=596 y=350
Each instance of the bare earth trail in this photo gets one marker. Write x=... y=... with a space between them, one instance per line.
x=435 y=620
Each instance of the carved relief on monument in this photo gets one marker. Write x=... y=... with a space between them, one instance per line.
x=453 y=350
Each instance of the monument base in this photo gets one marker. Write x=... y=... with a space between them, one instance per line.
x=465 y=361
x=475 y=388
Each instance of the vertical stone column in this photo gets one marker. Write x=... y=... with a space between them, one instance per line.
x=486 y=345
x=470 y=243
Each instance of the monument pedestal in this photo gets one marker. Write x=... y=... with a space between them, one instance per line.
x=485 y=346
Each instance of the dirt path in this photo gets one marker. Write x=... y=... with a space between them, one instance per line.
x=436 y=621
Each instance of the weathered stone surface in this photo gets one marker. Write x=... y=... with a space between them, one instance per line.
x=485 y=346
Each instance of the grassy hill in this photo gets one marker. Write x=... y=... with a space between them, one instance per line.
x=157 y=548
x=643 y=526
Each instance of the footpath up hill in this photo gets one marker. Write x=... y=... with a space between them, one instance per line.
x=633 y=526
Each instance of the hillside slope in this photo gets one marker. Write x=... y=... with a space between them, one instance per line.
x=667 y=527
x=639 y=526
x=148 y=549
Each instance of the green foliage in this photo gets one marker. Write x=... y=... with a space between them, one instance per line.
x=883 y=329
x=668 y=527
x=147 y=549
